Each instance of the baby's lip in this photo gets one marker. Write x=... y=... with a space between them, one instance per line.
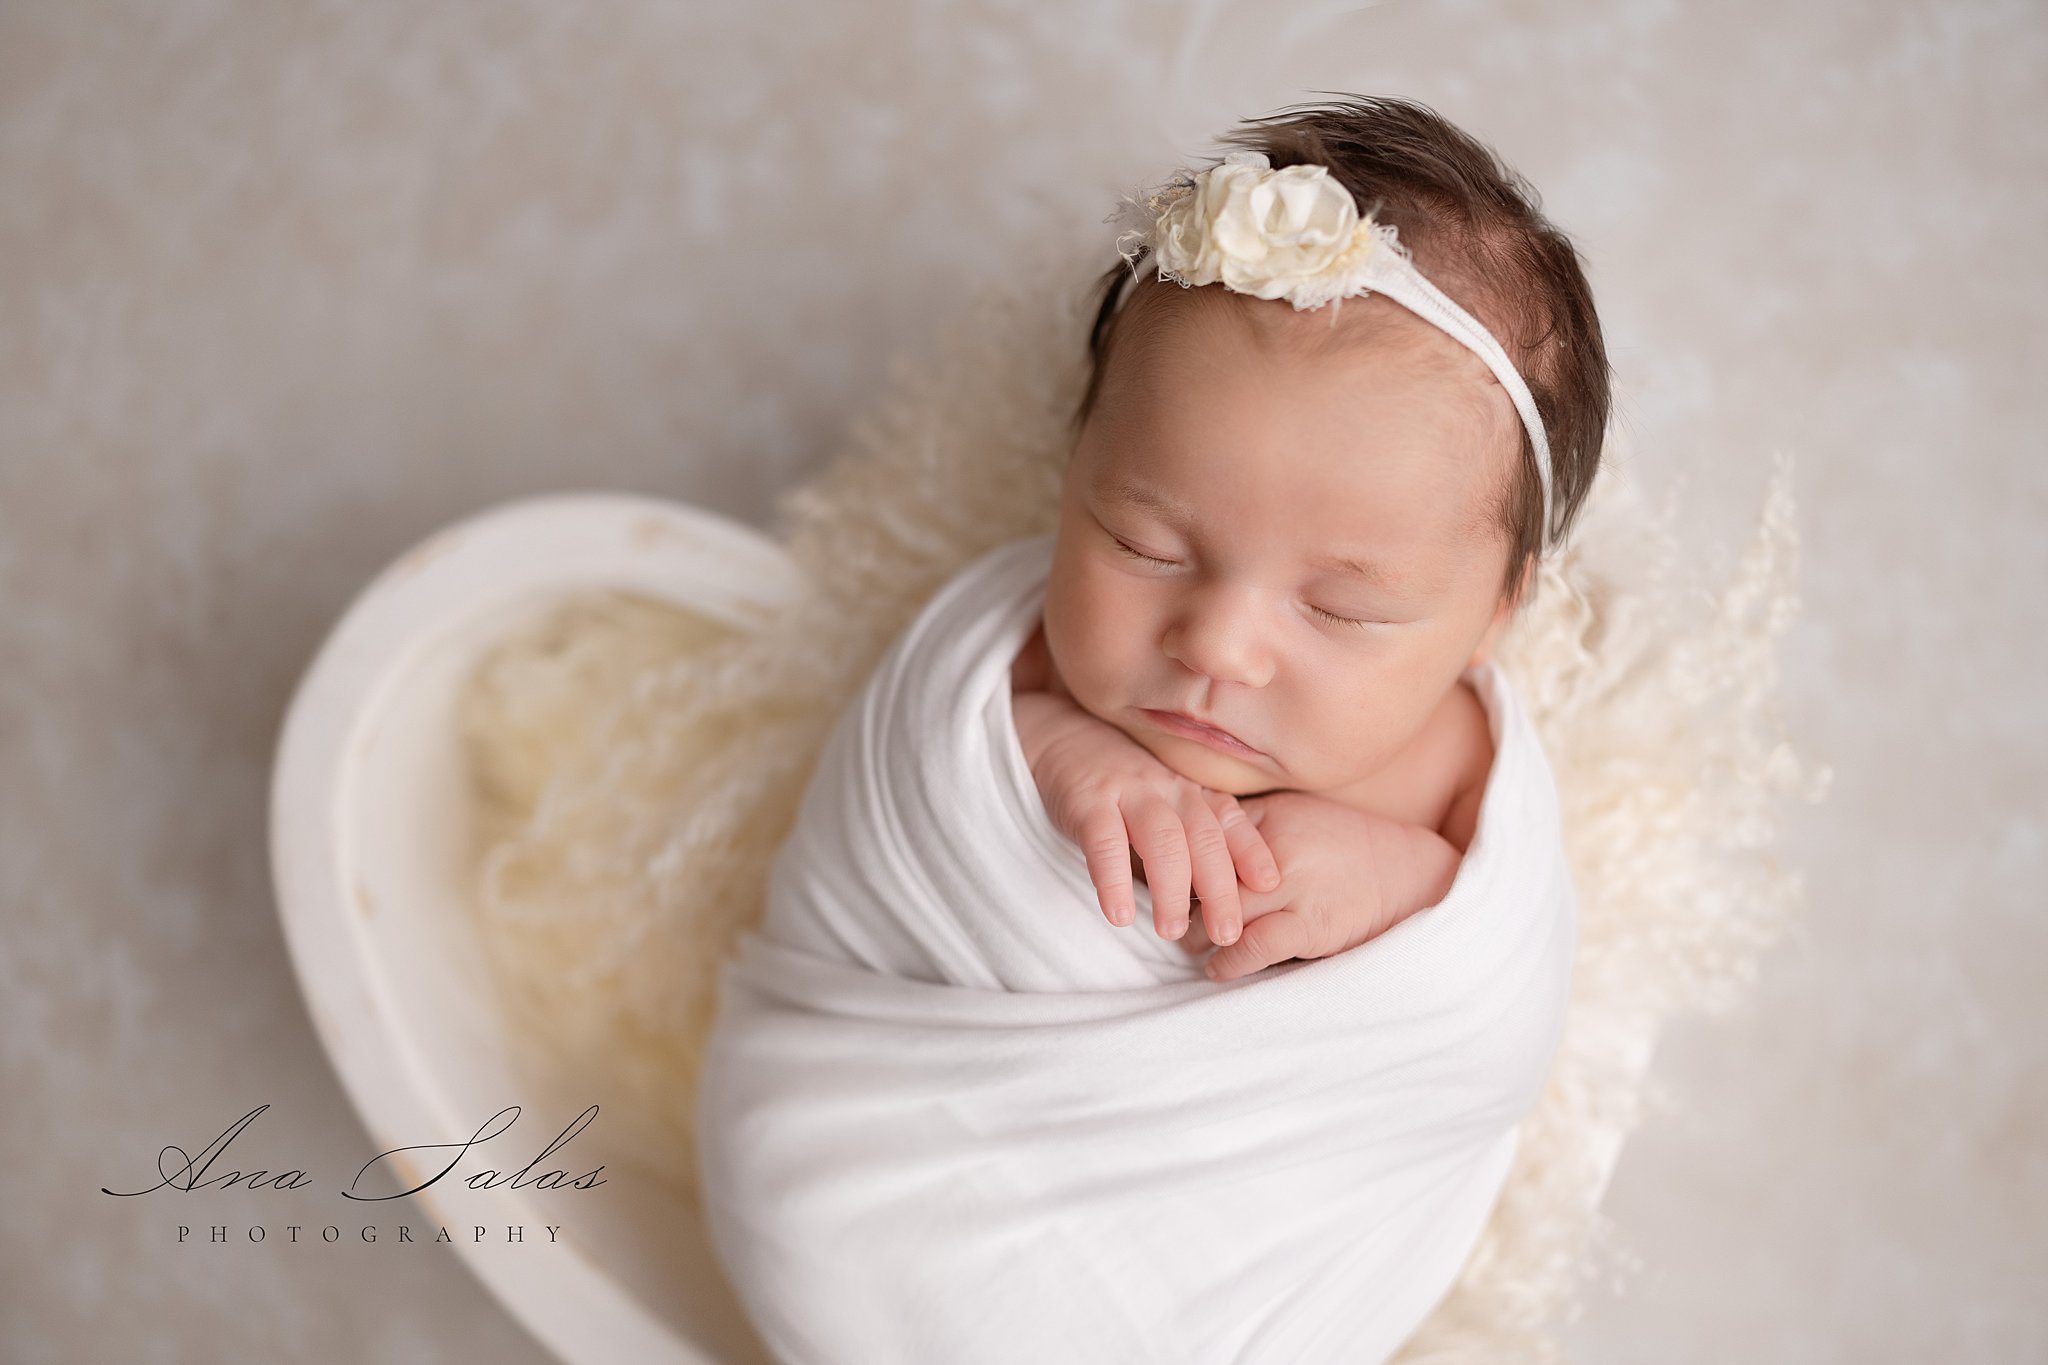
x=1189 y=718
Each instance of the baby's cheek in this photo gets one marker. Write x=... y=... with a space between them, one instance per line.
x=1096 y=684
x=1087 y=656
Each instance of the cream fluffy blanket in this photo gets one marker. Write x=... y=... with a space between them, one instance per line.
x=651 y=774
x=950 y=1113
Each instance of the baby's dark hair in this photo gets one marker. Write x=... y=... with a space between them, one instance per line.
x=1475 y=229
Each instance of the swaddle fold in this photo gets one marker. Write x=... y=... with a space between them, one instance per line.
x=949 y=1113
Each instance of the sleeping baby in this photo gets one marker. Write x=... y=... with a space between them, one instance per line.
x=1285 y=535
x=946 y=1111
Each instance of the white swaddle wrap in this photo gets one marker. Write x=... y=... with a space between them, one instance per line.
x=949 y=1113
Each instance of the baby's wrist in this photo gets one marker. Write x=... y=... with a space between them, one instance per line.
x=1040 y=718
x=1426 y=864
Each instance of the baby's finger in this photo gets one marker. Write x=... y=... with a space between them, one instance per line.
x=1161 y=841
x=1268 y=939
x=1107 y=847
x=1196 y=940
x=1215 y=875
x=1249 y=852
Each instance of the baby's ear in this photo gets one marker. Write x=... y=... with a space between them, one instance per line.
x=1503 y=612
x=1524 y=581
x=1525 y=587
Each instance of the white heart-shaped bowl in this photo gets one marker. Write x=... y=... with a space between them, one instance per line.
x=370 y=813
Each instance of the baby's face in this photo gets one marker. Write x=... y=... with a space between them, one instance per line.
x=1235 y=455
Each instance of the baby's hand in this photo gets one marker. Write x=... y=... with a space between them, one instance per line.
x=1349 y=876
x=1110 y=794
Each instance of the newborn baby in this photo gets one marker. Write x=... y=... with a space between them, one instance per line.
x=947 y=1113
x=1283 y=538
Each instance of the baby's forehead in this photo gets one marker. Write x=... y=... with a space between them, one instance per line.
x=1406 y=420
x=1439 y=499
x=1369 y=337
x=1378 y=332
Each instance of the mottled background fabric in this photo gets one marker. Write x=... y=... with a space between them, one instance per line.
x=283 y=288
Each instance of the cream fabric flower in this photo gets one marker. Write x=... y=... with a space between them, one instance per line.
x=1259 y=231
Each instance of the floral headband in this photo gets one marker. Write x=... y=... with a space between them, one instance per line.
x=1296 y=234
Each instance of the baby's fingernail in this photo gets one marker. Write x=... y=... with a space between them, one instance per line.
x=1214 y=969
x=1227 y=937
x=1122 y=915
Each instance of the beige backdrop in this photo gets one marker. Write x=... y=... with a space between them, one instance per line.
x=284 y=287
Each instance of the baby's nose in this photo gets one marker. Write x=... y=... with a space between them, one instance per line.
x=1220 y=634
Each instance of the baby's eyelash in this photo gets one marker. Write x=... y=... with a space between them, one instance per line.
x=1354 y=622
x=1344 y=620
x=1138 y=554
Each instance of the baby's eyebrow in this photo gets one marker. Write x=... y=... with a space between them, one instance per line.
x=1137 y=495
x=1370 y=570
